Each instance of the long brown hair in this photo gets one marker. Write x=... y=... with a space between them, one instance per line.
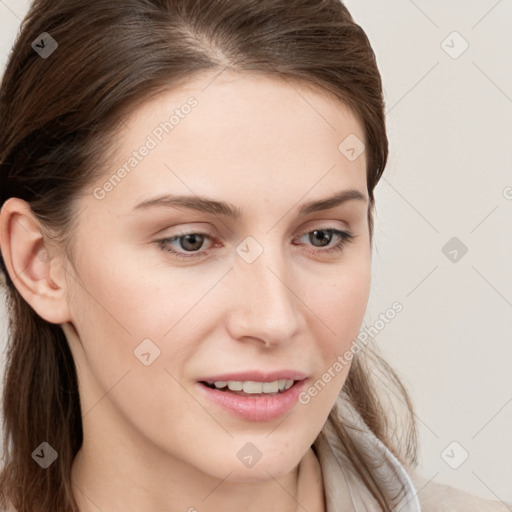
x=59 y=115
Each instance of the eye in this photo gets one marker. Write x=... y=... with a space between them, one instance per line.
x=318 y=235
x=192 y=242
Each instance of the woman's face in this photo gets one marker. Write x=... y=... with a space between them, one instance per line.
x=265 y=292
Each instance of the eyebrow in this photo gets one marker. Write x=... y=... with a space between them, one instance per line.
x=206 y=205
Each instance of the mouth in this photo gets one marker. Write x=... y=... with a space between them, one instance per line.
x=254 y=400
x=252 y=388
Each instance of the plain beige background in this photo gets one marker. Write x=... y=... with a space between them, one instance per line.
x=447 y=73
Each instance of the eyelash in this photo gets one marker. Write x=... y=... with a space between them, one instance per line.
x=346 y=237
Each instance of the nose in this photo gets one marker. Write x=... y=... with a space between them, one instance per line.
x=263 y=304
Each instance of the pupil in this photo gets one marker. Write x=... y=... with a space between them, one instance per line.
x=192 y=237
x=320 y=238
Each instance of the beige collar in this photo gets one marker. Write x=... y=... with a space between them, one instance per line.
x=344 y=490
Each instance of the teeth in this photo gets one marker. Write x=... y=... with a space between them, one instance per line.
x=252 y=387
x=270 y=387
x=234 y=385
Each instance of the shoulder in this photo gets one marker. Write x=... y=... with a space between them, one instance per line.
x=438 y=497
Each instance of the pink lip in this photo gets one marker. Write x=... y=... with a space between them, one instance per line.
x=254 y=408
x=256 y=376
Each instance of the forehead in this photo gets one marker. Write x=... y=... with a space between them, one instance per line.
x=232 y=131
x=265 y=97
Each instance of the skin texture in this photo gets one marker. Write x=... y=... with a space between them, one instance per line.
x=152 y=441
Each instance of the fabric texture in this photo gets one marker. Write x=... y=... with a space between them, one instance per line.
x=344 y=491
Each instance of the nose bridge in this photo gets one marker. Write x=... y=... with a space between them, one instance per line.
x=265 y=306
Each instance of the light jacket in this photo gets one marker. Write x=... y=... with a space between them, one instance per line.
x=345 y=492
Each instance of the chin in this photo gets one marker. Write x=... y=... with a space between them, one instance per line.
x=249 y=465
x=262 y=471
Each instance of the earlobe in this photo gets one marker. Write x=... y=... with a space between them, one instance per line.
x=36 y=275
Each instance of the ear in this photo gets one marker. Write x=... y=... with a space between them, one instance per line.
x=37 y=274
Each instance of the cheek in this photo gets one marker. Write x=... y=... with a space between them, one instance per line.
x=127 y=294
x=116 y=306
x=338 y=311
x=122 y=316
x=128 y=313
x=340 y=304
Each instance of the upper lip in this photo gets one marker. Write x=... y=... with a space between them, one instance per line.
x=255 y=376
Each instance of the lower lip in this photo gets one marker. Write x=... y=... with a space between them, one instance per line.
x=255 y=408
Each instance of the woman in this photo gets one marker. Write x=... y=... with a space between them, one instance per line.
x=186 y=234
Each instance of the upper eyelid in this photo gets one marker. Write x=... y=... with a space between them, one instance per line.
x=344 y=225
x=200 y=231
